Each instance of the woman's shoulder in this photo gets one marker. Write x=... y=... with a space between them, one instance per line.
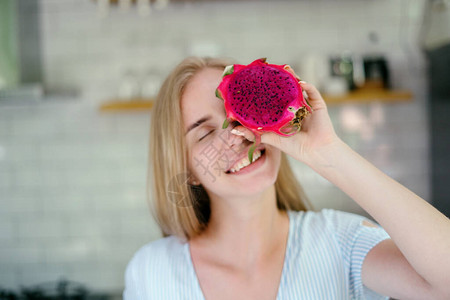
x=162 y=246
x=337 y=240
x=330 y=222
x=160 y=251
x=325 y=215
x=318 y=218
x=152 y=267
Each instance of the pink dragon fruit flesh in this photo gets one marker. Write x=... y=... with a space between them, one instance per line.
x=263 y=98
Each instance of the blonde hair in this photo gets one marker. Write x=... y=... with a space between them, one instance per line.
x=179 y=208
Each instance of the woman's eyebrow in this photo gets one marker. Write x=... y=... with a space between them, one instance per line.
x=198 y=123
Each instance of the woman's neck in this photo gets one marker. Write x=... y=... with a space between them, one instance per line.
x=244 y=233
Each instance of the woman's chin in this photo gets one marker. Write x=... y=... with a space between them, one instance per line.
x=248 y=186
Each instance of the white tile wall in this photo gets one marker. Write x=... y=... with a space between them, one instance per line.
x=72 y=195
x=72 y=180
x=89 y=47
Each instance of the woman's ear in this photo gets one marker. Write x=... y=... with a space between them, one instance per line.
x=192 y=180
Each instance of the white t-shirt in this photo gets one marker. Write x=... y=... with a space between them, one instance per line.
x=323 y=260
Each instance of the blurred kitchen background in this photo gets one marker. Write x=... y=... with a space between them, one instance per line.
x=76 y=82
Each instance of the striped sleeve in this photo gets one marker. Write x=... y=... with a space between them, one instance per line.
x=355 y=241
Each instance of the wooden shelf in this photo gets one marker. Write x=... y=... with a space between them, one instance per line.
x=365 y=95
x=118 y=105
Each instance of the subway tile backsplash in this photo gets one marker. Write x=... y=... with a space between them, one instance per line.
x=73 y=180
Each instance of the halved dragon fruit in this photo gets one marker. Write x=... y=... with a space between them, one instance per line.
x=263 y=98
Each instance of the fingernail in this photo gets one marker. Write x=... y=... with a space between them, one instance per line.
x=236 y=132
x=302 y=82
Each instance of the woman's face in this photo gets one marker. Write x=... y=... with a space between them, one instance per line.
x=213 y=151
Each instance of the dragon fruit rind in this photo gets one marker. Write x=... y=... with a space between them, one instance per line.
x=264 y=98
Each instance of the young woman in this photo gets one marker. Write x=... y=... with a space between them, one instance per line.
x=235 y=230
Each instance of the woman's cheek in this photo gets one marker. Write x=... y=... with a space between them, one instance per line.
x=210 y=159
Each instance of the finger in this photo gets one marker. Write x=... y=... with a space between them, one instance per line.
x=290 y=70
x=242 y=131
x=314 y=97
x=268 y=138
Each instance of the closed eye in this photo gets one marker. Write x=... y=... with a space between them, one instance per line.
x=206 y=135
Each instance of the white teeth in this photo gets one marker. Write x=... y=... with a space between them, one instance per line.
x=256 y=155
x=245 y=162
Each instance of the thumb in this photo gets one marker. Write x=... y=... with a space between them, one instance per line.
x=271 y=138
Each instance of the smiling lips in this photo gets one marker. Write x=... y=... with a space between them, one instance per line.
x=244 y=162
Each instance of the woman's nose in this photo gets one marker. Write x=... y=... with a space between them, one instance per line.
x=231 y=139
x=237 y=138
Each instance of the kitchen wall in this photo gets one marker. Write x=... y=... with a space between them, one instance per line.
x=73 y=180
